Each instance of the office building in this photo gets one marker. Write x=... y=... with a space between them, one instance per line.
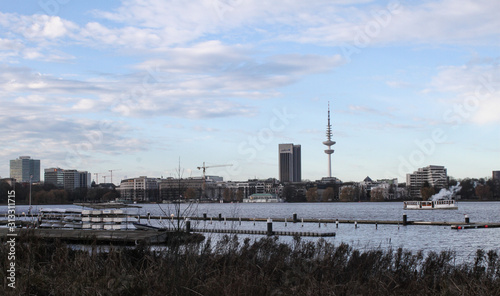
x=25 y=169
x=54 y=176
x=139 y=189
x=290 y=169
x=67 y=179
x=496 y=176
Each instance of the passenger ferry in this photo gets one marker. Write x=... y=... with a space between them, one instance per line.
x=442 y=204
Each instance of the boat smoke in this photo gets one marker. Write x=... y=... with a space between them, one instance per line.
x=447 y=193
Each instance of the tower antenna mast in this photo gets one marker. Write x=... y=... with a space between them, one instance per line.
x=329 y=143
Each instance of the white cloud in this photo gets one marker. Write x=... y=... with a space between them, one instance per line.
x=474 y=90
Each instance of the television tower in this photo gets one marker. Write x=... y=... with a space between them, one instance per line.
x=329 y=143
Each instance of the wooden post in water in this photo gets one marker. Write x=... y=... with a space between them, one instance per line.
x=467 y=220
x=294 y=217
x=188 y=225
x=269 y=227
x=405 y=221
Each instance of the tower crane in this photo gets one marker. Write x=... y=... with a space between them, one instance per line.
x=204 y=167
x=111 y=171
x=97 y=178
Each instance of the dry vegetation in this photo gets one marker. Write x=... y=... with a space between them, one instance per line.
x=232 y=267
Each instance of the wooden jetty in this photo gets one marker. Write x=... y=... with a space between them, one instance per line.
x=129 y=237
x=294 y=219
x=475 y=226
x=260 y=232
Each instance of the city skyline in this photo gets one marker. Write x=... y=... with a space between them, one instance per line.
x=134 y=86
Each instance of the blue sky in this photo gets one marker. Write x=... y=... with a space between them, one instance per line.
x=133 y=86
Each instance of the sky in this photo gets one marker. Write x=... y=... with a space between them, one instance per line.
x=144 y=88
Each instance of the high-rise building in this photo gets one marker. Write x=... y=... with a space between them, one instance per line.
x=496 y=176
x=329 y=143
x=496 y=184
x=67 y=179
x=54 y=176
x=76 y=179
x=290 y=163
x=435 y=175
x=25 y=169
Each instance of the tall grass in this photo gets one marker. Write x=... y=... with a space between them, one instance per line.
x=233 y=267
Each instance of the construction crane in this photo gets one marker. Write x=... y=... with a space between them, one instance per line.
x=111 y=171
x=97 y=178
x=204 y=167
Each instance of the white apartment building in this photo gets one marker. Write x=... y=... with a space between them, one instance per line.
x=435 y=175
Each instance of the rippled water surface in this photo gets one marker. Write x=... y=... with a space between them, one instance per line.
x=365 y=236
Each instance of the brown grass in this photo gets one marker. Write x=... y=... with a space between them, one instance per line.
x=233 y=267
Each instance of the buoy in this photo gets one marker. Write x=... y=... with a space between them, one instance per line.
x=459 y=227
x=355 y=224
x=485 y=226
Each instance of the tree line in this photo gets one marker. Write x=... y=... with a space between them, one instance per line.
x=50 y=194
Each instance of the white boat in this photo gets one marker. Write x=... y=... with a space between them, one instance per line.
x=442 y=204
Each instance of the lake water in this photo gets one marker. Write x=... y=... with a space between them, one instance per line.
x=366 y=236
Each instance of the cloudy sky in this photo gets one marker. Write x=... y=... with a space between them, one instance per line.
x=134 y=86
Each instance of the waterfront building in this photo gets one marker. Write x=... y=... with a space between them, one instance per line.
x=262 y=197
x=139 y=189
x=290 y=169
x=25 y=169
x=435 y=175
x=67 y=179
